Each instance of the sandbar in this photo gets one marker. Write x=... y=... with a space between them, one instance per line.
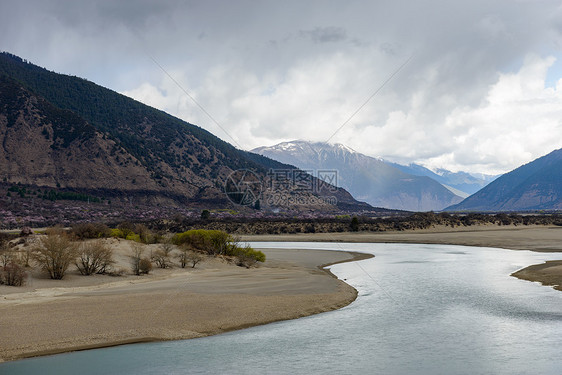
x=84 y=312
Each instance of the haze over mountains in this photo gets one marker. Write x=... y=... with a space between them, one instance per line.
x=533 y=186
x=461 y=183
x=373 y=180
x=65 y=132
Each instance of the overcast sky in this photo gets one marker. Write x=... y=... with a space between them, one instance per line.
x=476 y=85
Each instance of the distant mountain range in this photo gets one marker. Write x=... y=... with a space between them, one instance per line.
x=533 y=186
x=375 y=181
x=64 y=132
x=461 y=183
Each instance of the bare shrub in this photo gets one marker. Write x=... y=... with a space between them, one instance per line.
x=6 y=257
x=90 y=230
x=13 y=275
x=183 y=256
x=145 y=266
x=136 y=257
x=161 y=259
x=187 y=256
x=117 y=271
x=54 y=253
x=194 y=258
x=25 y=257
x=139 y=264
x=94 y=257
x=162 y=256
x=167 y=246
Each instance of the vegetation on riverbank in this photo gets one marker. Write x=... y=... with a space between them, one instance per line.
x=338 y=224
x=57 y=250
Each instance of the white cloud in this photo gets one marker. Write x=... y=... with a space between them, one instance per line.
x=519 y=120
x=473 y=97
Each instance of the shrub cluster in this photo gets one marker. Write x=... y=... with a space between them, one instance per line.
x=343 y=223
x=134 y=232
x=90 y=230
x=94 y=257
x=13 y=274
x=247 y=256
x=55 y=253
x=217 y=242
x=186 y=256
x=139 y=265
x=12 y=271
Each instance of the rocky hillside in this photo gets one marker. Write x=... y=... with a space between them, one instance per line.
x=64 y=132
x=533 y=186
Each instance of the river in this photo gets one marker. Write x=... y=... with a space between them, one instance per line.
x=422 y=309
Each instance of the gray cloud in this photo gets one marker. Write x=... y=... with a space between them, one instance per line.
x=272 y=71
x=325 y=34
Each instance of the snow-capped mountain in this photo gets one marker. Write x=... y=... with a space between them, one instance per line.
x=368 y=179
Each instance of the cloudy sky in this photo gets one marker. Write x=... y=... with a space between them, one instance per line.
x=464 y=85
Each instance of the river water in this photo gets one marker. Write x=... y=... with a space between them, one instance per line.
x=422 y=309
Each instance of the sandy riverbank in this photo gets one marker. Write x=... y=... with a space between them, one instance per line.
x=548 y=273
x=84 y=312
x=534 y=238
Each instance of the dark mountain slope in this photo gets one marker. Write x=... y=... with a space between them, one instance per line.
x=89 y=137
x=533 y=186
x=153 y=136
x=46 y=146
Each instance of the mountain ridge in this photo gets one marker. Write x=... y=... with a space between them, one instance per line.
x=370 y=179
x=137 y=149
x=465 y=182
x=532 y=186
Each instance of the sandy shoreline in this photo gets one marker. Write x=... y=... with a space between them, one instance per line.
x=179 y=305
x=533 y=237
x=548 y=273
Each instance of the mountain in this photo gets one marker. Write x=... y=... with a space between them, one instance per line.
x=64 y=132
x=461 y=183
x=368 y=179
x=533 y=186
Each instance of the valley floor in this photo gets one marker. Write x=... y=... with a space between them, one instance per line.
x=82 y=312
